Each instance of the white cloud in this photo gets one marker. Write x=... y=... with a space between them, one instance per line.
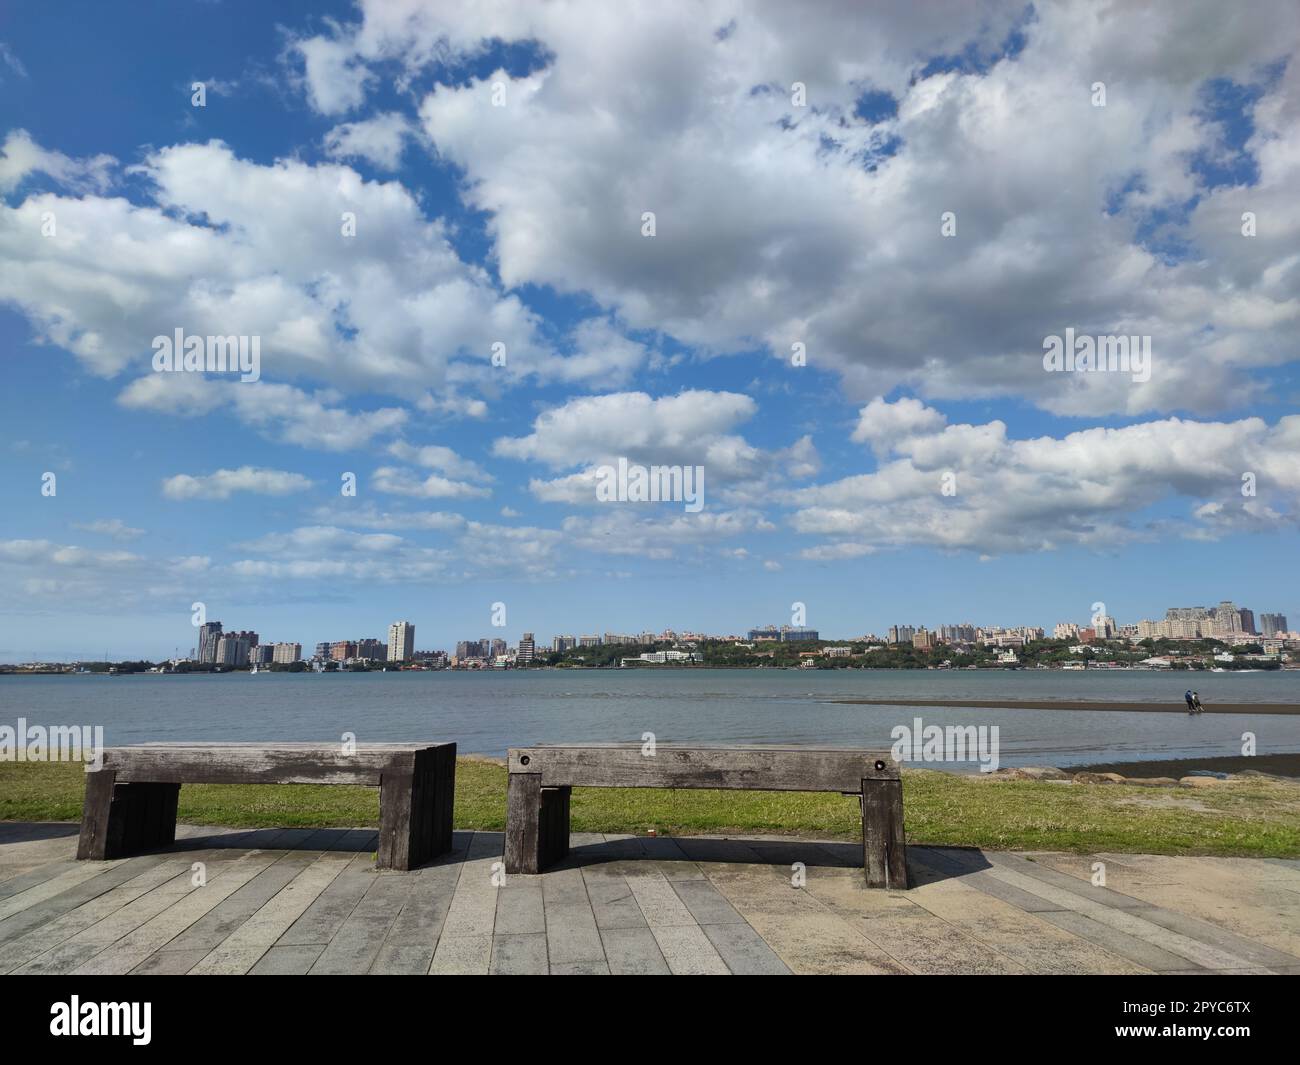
x=12 y=61
x=20 y=156
x=280 y=412
x=394 y=481
x=779 y=224
x=690 y=427
x=436 y=457
x=232 y=247
x=972 y=487
x=335 y=80
x=114 y=527
x=379 y=140
x=222 y=484
x=629 y=530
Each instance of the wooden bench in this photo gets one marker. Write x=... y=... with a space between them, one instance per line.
x=131 y=799
x=541 y=778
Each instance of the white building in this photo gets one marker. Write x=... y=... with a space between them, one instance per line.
x=401 y=641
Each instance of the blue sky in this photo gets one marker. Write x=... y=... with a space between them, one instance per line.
x=781 y=218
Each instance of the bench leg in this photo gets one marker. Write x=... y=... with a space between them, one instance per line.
x=884 y=848
x=96 y=810
x=537 y=824
x=415 y=808
x=119 y=820
x=523 y=823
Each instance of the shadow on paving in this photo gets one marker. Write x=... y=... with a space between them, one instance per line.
x=928 y=864
x=31 y=831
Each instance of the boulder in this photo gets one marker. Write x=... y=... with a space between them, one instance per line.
x=1042 y=772
x=1099 y=778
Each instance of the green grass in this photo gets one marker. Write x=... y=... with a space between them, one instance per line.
x=1255 y=816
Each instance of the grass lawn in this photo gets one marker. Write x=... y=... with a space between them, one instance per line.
x=1252 y=816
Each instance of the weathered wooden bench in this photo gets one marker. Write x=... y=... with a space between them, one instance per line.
x=541 y=779
x=131 y=799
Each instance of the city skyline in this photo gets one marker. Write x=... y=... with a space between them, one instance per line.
x=331 y=319
x=1263 y=624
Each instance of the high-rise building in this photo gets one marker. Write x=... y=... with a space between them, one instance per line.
x=901 y=633
x=261 y=655
x=209 y=637
x=1227 y=619
x=1272 y=624
x=498 y=648
x=922 y=639
x=372 y=650
x=401 y=641
x=588 y=641
x=342 y=650
x=322 y=651
x=286 y=653
x=527 y=648
x=1247 y=620
x=232 y=651
x=563 y=643
x=798 y=634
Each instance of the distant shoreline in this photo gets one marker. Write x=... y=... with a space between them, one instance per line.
x=1053 y=704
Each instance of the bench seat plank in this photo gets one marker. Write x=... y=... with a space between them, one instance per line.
x=733 y=768
x=274 y=763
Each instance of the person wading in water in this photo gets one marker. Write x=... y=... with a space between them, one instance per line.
x=1196 y=702
x=1191 y=705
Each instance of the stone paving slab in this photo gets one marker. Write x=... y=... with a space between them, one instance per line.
x=298 y=901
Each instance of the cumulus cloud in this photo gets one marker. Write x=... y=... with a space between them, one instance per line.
x=280 y=412
x=20 y=156
x=395 y=481
x=380 y=139
x=113 y=527
x=222 y=484
x=972 y=487
x=39 y=576
x=821 y=224
x=232 y=247
x=692 y=428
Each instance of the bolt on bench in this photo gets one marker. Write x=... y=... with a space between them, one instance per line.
x=131 y=800
x=541 y=779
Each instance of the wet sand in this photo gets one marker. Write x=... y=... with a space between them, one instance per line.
x=1282 y=765
x=1114 y=707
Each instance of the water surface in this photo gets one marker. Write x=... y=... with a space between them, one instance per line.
x=488 y=712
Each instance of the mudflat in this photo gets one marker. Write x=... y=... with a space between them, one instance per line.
x=1280 y=765
x=1113 y=707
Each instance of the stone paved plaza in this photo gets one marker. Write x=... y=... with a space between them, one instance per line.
x=310 y=901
